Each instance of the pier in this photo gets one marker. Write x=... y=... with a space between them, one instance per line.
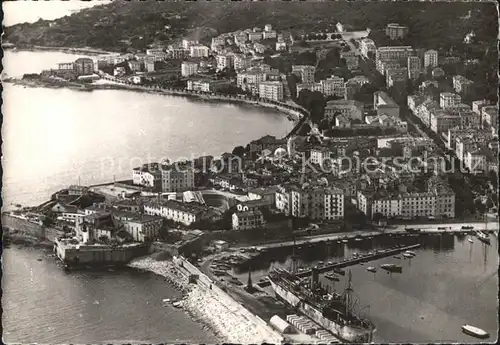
x=358 y=259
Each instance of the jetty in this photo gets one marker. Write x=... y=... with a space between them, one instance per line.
x=356 y=260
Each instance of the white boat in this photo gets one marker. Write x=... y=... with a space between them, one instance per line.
x=474 y=331
x=410 y=252
x=408 y=255
x=470 y=240
x=483 y=237
x=371 y=269
x=166 y=300
x=177 y=304
x=344 y=241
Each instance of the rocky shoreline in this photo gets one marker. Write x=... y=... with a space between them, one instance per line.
x=205 y=306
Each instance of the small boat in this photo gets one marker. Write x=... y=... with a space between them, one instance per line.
x=358 y=239
x=474 y=331
x=470 y=240
x=321 y=262
x=177 y=304
x=408 y=256
x=392 y=268
x=166 y=300
x=441 y=228
x=371 y=269
x=410 y=253
x=483 y=237
x=397 y=257
x=344 y=241
x=362 y=263
x=467 y=227
x=39 y=259
x=330 y=262
x=332 y=277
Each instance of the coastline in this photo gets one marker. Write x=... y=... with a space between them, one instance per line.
x=222 y=317
x=295 y=112
x=68 y=50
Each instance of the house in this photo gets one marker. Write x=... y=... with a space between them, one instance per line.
x=144 y=228
x=135 y=66
x=64 y=208
x=245 y=219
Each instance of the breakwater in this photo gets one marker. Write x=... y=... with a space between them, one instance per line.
x=209 y=303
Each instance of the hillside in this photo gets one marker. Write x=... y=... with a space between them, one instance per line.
x=121 y=25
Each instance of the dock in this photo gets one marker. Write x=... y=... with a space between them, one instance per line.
x=358 y=259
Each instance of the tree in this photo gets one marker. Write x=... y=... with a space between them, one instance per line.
x=239 y=151
x=304 y=129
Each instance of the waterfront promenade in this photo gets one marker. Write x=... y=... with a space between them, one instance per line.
x=400 y=229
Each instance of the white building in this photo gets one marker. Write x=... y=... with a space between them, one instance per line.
x=198 y=51
x=178 y=211
x=449 y=99
x=272 y=90
x=333 y=86
x=188 y=68
x=431 y=58
x=268 y=28
x=367 y=46
x=186 y=43
x=225 y=61
x=414 y=67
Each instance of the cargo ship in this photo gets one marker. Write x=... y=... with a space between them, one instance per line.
x=332 y=311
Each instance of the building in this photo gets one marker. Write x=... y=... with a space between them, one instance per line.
x=281 y=46
x=225 y=61
x=407 y=205
x=241 y=62
x=149 y=65
x=396 y=77
x=384 y=104
x=177 y=177
x=449 y=99
x=249 y=80
x=255 y=36
x=437 y=73
x=442 y=120
x=489 y=115
x=395 y=31
x=333 y=86
x=66 y=66
x=198 y=51
x=431 y=58
x=269 y=34
x=394 y=52
x=240 y=38
x=367 y=47
x=351 y=87
x=387 y=121
x=462 y=85
x=383 y=65
x=414 y=67
x=268 y=28
x=305 y=72
x=315 y=202
x=135 y=66
x=178 y=53
x=83 y=66
x=360 y=79
x=352 y=109
x=148 y=175
x=186 y=43
x=272 y=90
x=144 y=228
x=188 y=68
x=206 y=85
x=246 y=218
x=179 y=212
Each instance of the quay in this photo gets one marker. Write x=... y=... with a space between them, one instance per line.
x=358 y=259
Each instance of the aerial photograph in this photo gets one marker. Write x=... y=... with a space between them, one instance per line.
x=249 y=172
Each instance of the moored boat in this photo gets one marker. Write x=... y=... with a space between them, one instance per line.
x=331 y=276
x=392 y=268
x=339 y=271
x=470 y=240
x=371 y=269
x=475 y=331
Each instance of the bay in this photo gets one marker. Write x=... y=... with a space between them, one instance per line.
x=57 y=137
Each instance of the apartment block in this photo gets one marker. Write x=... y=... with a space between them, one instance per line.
x=272 y=90
x=188 y=68
x=395 y=31
x=177 y=177
x=431 y=58
x=449 y=99
x=305 y=72
x=462 y=85
x=350 y=108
